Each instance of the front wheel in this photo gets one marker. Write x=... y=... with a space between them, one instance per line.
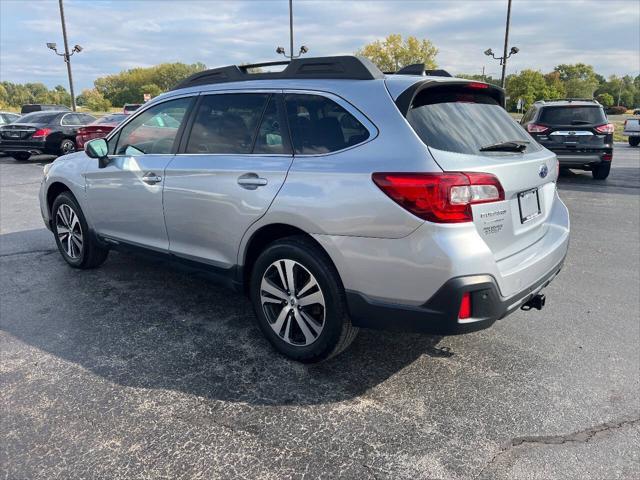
x=299 y=301
x=75 y=243
x=634 y=141
x=601 y=171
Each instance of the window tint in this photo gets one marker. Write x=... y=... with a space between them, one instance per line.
x=86 y=119
x=270 y=139
x=457 y=120
x=71 y=119
x=571 y=115
x=38 y=117
x=154 y=130
x=320 y=125
x=226 y=123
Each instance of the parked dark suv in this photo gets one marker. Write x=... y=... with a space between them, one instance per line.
x=42 y=132
x=576 y=130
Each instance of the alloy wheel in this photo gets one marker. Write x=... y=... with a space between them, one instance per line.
x=69 y=231
x=67 y=147
x=293 y=302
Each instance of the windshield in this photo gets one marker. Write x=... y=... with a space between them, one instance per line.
x=37 y=117
x=455 y=119
x=570 y=115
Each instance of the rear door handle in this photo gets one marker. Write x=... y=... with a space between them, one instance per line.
x=251 y=181
x=151 y=178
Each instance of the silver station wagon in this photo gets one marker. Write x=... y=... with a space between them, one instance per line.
x=337 y=197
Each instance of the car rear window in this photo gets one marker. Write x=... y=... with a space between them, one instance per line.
x=38 y=117
x=572 y=115
x=461 y=120
x=111 y=119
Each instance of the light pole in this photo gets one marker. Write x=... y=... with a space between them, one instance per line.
x=281 y=50
x=66 y=54
x=513 y=51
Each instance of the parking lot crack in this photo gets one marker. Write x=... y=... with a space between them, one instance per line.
x=27 y=252
x=581 y=436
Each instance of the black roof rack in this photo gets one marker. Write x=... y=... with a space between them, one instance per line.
x=593 y=100
x=418 y=69
x=341 y=67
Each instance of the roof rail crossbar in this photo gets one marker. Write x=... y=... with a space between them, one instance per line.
x=418 y=69
x=345 y=67
x=573 y=100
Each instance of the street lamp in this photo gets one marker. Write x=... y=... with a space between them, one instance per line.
x=503 y=59
x=67 y=55
x=281 y=50
x=505 y=56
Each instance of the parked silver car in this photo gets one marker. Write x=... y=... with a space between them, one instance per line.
x=336 y=196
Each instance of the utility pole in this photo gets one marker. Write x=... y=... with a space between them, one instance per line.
x=506 y=41
x=67 y=57
x=483 y=77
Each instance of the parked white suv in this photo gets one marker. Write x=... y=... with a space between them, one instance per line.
x=336 y=196
x=632 y=130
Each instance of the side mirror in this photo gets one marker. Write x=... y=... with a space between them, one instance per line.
x=98 y=148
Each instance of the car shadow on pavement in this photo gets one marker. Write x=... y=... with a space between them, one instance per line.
x=140 y=324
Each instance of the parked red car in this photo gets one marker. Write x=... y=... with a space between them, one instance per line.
x=98 y=129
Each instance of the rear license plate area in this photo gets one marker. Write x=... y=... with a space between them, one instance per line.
x=529 y=204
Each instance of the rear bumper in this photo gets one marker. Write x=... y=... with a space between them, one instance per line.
x=579 y=158
x=31 y=147
x=631 y=133
x=439 y=315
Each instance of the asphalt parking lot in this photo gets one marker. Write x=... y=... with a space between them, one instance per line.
x=136 y=371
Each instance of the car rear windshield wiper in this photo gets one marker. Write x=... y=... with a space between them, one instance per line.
x=508 y=146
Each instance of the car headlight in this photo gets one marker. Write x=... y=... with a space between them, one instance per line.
x=46 y=168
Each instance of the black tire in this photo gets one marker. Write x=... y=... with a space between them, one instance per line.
x=337 y=332
x=21 y=156
x=67 y=146
x=634 y=141
x=90 y=254
x=601 y=171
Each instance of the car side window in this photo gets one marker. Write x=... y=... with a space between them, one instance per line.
x=227 y=123
x=70 y=119
x=86 y=119
x=320 y=125
x=154 y=130
x=270 y=138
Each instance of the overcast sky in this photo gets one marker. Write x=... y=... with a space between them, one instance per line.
x=122 y=34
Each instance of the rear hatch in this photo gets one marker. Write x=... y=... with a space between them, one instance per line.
x=574 y=129
x=632 y=125
x=467 y=130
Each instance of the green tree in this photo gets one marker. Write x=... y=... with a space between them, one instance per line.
x=580 y=80
x=393 y=53
x=126 y=86
x=150 y=88
x=94 y=101
x=605 y=99
x=529 y=85
x=480 y=78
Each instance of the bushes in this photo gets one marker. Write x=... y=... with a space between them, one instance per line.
x=616 y=110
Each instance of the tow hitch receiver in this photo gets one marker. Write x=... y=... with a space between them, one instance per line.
x=536 y=302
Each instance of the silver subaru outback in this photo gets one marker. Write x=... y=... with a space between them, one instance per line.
x=337 y=197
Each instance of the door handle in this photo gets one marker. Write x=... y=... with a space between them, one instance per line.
x=251 y=181
x=151 y=178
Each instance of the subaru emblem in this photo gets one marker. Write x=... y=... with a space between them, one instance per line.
x=543 y=171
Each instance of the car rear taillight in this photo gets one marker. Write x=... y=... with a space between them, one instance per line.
x=477 y=85
x=607 y=128
x=465 y=306
x=535 y=128
x=440 y=197
x=41 y=133
x=607 y=157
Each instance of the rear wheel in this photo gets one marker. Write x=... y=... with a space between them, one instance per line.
x=634 y=141
x=601 y=171
x=22 y=156
x=76 y=245
x=67 y=146
x=299 y=301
